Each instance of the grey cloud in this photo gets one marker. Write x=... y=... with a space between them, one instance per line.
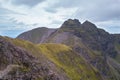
x=67 y=3
x=5 y=17
x=56 y=22
x=62 y=3
x=10 y=28
x=27 y=2
x=4 y=11
x=51 y=10
x=95 y=10
x=101 y=10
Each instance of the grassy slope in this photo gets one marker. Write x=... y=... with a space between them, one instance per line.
x=118 y=50
x=95 y=56
x=63 y=57
x=74 y=66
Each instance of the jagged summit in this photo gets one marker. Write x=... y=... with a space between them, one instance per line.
x=75 y=23
x=88 y=24
x=71 y=23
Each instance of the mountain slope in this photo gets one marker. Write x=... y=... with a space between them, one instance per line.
x=99 y=48
x=37 y=35
x=73 y=65
x=18 y=63
x=27 y=61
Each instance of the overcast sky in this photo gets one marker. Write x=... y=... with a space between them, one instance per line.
x=17 y=16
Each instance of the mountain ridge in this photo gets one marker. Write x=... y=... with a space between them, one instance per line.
x=93 y=44
x=75 y=51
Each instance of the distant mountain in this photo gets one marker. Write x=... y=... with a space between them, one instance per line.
x=37 y=35
x=96 y=46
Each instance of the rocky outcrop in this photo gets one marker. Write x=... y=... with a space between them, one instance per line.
x=71 y=23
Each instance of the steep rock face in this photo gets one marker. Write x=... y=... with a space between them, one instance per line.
x=97 y=39
x=116 y=38
x=95 y=45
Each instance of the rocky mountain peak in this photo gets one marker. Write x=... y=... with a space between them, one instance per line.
x=71 y=23
x=87 y=24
